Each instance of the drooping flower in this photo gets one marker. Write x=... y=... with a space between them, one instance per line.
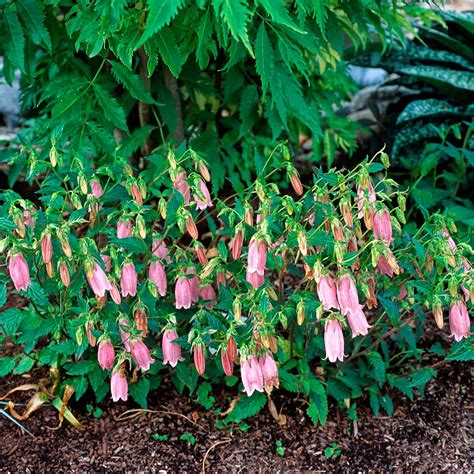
x=182 y=293
x=46 y=248
x=96 y=188
x=181 y=185
x=160 y=250
x=136 y=194
x=459 y=320
x=191 y=228
x=326 y=289
x=141 y=319
x=203 y=201
x=383 y=226
x=257 y=257
x=19 y=271
x=384 y=267
x=128 y=280
x=105 y=354
x=255 y=279
x=252 y=376
x=207 y=293
x=358 y=322
x=124 y=228
x=98 y=280
x=363 y=199
x=156 y=274
x=296 y=183
x=333 y=340
x=269 y=372
x=201 y=255
x=141 y=354
x=171 y=350
x=347 y=294
x=119 y=386
x=29 y=218
x=115 y=293
x=199 y=358
x=449 y=239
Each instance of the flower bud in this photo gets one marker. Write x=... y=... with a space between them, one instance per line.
x=46 y=248
x=136 y=194
x=115 y=293
x=141 y=320
x=300 y=313
x=296 y=182
x=204 y=171
x=438 y=315
x=96 y=188
x=237 y=243
x=162 y=208
x=191 y=228
x=227 y=362
x=65 y=246
x=90 y=336
x=199 y=358
x=50 y=269
x=141 y=226
x=64 y=273
x=81 y=179
x=53 y=156
x=201 y=255
x=20 y=224
x=248 y=217
x=303 y=243
x=124 y=228
x=237 y=309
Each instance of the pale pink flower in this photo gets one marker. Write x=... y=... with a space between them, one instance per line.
x=96 y=188
x=269 y=371
x=119 y=386
x=206 y=202
x=128 y=280
x=105 y=355
x=182 y=293
x=19 y=271
x=383 y=226
x=207 y=293
x=157 y=275
x=358 y=322
x=362 y=198
x=459 y=320
x=252 y=376
x=160 y=250
x=98 y=280
x=257 y=257
x=255 y=279
x=326 y=289
x=124 y=229
x=384 y=267
x=333 y=340
x=181 y=185
x=141 y=354
x=171 y=351
x=29 y=219
x=347 y=294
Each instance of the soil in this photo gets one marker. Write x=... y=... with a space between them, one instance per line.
x=428 y=434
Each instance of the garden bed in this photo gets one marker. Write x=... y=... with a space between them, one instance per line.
x=429 y=434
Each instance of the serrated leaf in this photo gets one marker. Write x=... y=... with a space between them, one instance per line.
x=160 y=13
x=131 y=82
x=205 y=42
x=169 y=51
x=112 y=110
x=278 y=11
x=263 y=57
x=37 y=294
x=236 y=15
x=247 y=407
x=33 y=17
x=14 y=43
x=248 y=109
x=131 y=244
x=25 y=365
x=3 y=294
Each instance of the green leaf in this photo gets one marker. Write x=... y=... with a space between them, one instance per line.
x=247 y=407
x=139 y=391
x=205 y=42
x=81 y=367
x=160 y=13
x=3 y=294
x=14 y=42
x=37 y=294
x=32 y=16
x=318 y=397
x=248 y=109
x=7 y=364
x=427 y=108
x=278 y=11
x=132 y=244
x=25 y=365
x=374 y=403
x=264 y=57
x=170 y=51
x=112 y=110
x=379 y=366
x=131 y=82
x=203 y=397
x=80 y=385
x=458 y=79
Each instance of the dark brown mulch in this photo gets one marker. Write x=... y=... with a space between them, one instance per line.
x=430 y=434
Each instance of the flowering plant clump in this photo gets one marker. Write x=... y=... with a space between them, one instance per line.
x=313 y=289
